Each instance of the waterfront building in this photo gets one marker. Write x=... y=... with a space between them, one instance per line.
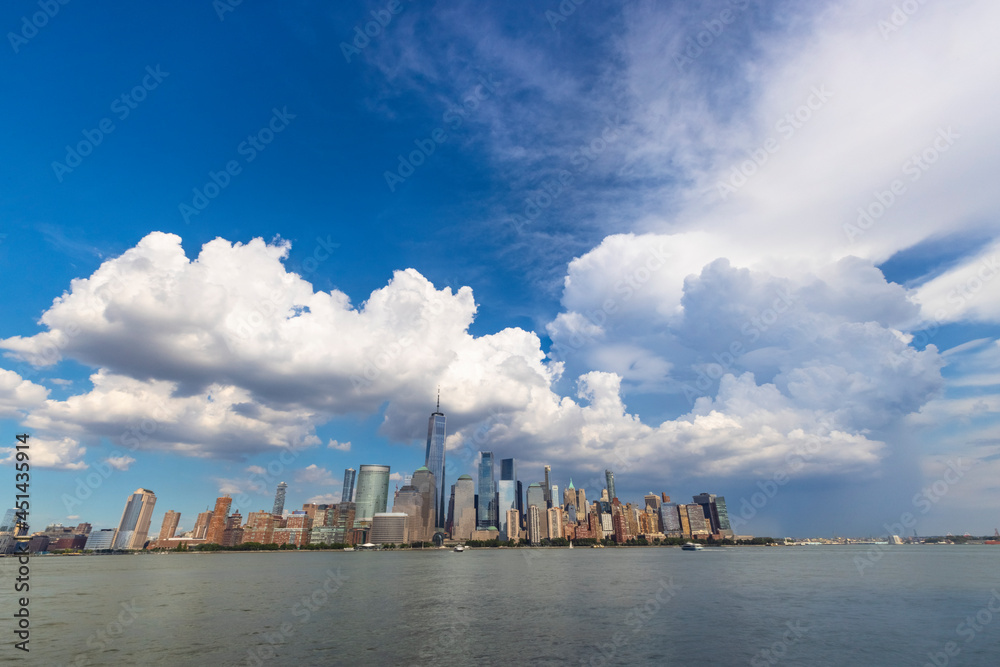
x=100 y=540
x=201 y=526
x=536 y=496
x=347 y=493
x=279 y=499
x=555 y=522
x=426 y=485
x=722 y=512
x=512 y=525
x=133 y=528
x=670 y=520
x=619 y=528
x=697 y=520
x=682 y=514
x=408 y=501
x=9 y=521
x=533 y=520
x=346 y=512
x=233 y=532
x=487 y=513
x=260 y=528
x=373 y=493
x=506 y=502
x=632 y=520
x=434 y=460
x=323 y=535
x=169 y=527
x=218 y=522
x=465 y=508
x=388 y=528
x=569 y=495
x=607 y=528
x=610 y=477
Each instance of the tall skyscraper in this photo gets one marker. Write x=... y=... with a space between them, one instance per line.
x=169 y=527
x=373 y=493
x=487 y=493
x=279 y=500
x=434 y=459
x=465 y=508
x=201 y=525
x=582 y=509
x=508 y=472
x=217 y=526
x=133 y=527
x=547 y=490
x=347 y=494
x=708 y=507
x=610 y=476
x=505 y=503
x=536 y=497
x=723 y=513
x=423 y=482
x=9 y=521
x=569 y=495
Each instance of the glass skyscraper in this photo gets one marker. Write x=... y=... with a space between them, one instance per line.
x=279 y=499
x=506 y=490
x=610 y=477
x=133 y=527
x=487 y=516
x=348 y=490
x=373 y=493
x=434 y=459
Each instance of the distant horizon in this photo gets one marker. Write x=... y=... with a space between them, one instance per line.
x=736 y=246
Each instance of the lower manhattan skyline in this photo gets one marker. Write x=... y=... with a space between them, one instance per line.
x=747 y=249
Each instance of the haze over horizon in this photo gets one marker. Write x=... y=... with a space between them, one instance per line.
x=735 y=248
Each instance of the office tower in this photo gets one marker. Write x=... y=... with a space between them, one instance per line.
x=134 y=524
x=554 y=496
x=279 y=500
x=347 y=493
x=486 y=516
x=388 y=528
x=434 y=459
x=723 y=514
x=582 y=508
x=547 y=489
x=696 y=519
x=169 y=527
x=465 y=508
x=709 y=510
x=345 y=522
x=9 y=521
x=100 y=540
x=533 y=518
x=218 y=523
x=569 y=495
x=425 y=484
x=653 y=501
x=512 y=526
x=536 y=496
x=610 y=477
x=508 y=472
x=373 y=494
x=505 y=503
x=554 y=515
x=201 y=526
x=408 y=501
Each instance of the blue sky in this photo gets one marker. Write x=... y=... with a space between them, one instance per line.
x=744 y=248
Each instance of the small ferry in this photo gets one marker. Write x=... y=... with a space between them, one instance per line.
x=459 y=548
x=691 y=546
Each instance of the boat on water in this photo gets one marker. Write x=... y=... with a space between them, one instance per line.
x=459 y=548
x=691 y=546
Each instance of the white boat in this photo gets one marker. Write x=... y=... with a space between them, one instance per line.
x=691 y=546
x=459 y=548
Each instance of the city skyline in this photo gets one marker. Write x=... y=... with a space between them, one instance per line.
x=692 y=243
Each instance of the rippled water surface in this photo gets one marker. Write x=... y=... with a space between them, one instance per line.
x=803 y=605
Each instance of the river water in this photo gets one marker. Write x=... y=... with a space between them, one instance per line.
x=901 y=605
